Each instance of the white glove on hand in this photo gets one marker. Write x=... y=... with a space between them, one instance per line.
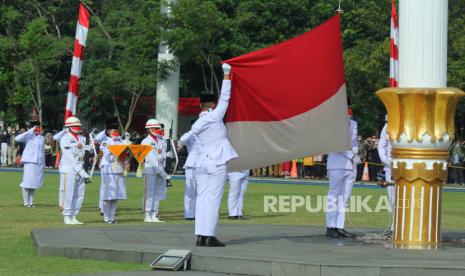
x=83 y=174
x=355 y=150
x=163 y=174
x=356 y=159
x=226 y=68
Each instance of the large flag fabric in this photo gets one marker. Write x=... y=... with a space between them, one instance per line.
x=394 y=52
x=289 y=100
x=79 y=43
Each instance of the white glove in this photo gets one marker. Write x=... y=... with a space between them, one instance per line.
x=355 y=150
x=356 y=159
x=163 y=174
x=83 y=174
x=226 y=68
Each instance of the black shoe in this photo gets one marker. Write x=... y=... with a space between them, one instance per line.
x=343 y=233
x=190 y=218
x=241 y=217
x=233 y=217
x=213 y=242
x=200 y=240
x=332 y=233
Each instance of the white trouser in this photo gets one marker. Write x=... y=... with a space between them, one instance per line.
x=190 y=193
x=72 y=193
x=4 y=152
x=100 y=197
x=153 y=192
x=28 y=196
x=210 y=181
x=238 y=182
x=340 y=189
x=109 y=210
x=391 y=194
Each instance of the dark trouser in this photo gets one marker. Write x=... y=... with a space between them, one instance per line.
x=456 y=174
x=373 y=171
x=360 y=171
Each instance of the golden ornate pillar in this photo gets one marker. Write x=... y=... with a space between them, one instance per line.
x=421 y=129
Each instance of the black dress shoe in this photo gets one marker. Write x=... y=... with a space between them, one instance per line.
x=343 y=233
x=200 y=240
x=213 y=242
x=233 y=217
x=332 y=233
x=190 y=218
x=241 y=217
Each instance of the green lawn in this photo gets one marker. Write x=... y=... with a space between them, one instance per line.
x=17 y=253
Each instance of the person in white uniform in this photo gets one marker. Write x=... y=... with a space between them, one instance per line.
x=210 y=166
x=73 y=177
x=33 y=159
x=190 y=189
x=57 y=137
x=384 y=151
x=113 y=184
x=154 y=171
x=238 y=182
x=342 y=173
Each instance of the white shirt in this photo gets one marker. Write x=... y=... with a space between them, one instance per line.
x=73 y=151
x=384 y=148
x=34 y=152
x=211 y=132
x=156 y=159
x=193 y=148
x=344 y=159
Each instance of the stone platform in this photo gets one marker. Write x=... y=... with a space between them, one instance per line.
x=254 y=250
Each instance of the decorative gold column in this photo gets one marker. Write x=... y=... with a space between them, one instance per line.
x=421 y=129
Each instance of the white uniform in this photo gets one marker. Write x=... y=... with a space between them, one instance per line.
x=57 y=137
x=113 y=184
x=190 y=190
x=210 y=166
x=72 y=173
x=384 y=151
x=33 y=158
x=154 y=175
x=341 y=172
x=238 y=182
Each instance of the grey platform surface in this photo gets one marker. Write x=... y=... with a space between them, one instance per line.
x=254 y=250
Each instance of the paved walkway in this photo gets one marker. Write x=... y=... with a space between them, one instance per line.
x=254 y=250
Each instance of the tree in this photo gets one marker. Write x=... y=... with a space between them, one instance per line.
x=122 y=59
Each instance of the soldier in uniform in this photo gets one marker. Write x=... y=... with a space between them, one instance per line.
x=73 y=177
x=384 y=150
x=154 y=171
x=113 y=184
x=341 y=172
x=238 y=182
x=33 y=158
x=210 y=166
x=190 y=190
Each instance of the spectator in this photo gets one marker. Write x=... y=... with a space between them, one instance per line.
x=12 y=148
x=4 y=140
x=49 y=162
x=362 y=153
x=373 y=157
x=456 y=159
x=308 y=167
x=318 y=166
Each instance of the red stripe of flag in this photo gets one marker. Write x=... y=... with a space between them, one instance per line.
x=78 y=49
x=84 y=16
x=73 y=86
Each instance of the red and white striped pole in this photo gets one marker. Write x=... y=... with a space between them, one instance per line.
x=394 y=52
x=79 y=44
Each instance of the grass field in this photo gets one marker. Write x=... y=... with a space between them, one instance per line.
x=18 y=256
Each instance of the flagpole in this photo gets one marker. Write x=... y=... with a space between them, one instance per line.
x=421 y=123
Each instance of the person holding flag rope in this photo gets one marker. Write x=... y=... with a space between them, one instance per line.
x=154 y=171
x=73 y=176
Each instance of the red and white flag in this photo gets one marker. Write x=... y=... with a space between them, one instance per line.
x=79 y=44
x=289 y=100
x=394 y=52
